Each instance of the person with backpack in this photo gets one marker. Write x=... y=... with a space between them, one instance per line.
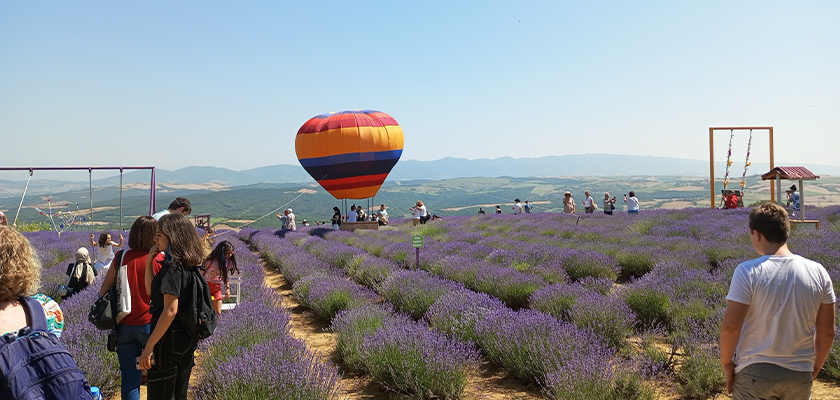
x=220 y=264
x=172 y=291
x=134 y=329
x=33 y=361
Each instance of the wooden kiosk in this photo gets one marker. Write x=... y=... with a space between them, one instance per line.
x=793 y=173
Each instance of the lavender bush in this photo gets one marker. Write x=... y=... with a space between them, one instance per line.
x=413 y=292
x=280 y=368
x=415 y=361
x=326 y=295
x=456 y=313
x=353 y=325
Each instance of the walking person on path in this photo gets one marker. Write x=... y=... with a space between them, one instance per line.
x=134 y=329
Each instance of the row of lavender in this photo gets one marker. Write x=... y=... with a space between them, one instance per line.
x=399 y=353
x=234 y=363
x=682 y=300
x=569 y=361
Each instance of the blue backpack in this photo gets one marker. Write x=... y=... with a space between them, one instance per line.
x=34 y=364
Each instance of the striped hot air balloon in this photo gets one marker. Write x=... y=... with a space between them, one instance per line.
x=350 y=153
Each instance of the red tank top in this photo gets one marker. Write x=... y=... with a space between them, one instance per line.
x=136 y=262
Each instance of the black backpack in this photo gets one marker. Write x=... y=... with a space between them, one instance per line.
x=34 y=364
x=196 y=312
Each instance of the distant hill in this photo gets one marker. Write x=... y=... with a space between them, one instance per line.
x=580 y=165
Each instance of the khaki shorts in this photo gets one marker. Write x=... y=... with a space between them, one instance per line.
x=770 y=381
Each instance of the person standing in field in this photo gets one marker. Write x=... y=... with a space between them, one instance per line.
x=382 y=215
x=588 y=203
x=568 y=203
x=793 y=200
x=336 y=219
x=104 y=250
x=778 y=326
x=352 y=216
x=609 y=204
x=632 y=203
x=517 y=207
x=220 y=264
x=527 y=207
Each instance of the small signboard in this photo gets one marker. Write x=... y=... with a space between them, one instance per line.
x=417 y=241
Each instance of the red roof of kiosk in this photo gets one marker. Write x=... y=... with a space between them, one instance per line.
x=790 y=173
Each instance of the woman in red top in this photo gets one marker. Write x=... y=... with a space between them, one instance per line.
x=133 y=329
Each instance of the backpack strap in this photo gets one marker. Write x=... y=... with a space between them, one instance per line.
x=35 y=315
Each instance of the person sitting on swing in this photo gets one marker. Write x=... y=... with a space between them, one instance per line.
x=730 y=200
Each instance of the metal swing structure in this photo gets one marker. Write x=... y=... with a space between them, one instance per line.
x=90 y=184
x=747 y=163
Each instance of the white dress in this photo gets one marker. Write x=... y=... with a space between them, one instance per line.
x=104 y=256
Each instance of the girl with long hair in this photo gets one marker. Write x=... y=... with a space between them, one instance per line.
x=220 y=264
x=104 y=250
x=134 y=329
x=172 y=345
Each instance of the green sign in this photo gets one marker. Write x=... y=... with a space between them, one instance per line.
x=417 y=241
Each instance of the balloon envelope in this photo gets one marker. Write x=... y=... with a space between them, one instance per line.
x=350 y=153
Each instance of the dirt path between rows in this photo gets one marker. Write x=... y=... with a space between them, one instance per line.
x=491 y=384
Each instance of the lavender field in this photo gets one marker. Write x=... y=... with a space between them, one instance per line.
x=589 y=306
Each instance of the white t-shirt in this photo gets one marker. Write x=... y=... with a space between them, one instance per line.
x=784 y=294
x=160 y=214
x=587 y=202
x=352 y=216
x=423 y=212
x=517 y=208
x=632 y=203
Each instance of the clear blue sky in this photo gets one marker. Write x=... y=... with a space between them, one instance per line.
x=228 y=84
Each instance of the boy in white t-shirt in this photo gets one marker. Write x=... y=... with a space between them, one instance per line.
x=779 y=322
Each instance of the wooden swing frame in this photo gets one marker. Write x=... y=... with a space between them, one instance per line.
x=712 y=130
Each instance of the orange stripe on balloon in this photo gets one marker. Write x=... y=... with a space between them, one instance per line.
x=349 y=140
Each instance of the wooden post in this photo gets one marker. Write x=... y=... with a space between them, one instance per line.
x=801 y=201
x=712 y=166
x=772 y=164
x=778 y=198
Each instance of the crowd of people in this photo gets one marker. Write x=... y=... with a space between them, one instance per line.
x=160 y=252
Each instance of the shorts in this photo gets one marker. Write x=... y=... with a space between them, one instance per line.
x=215 y=290
x=770 y=381
x=632 y=211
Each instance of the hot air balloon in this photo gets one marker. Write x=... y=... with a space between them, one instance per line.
x=350 y=153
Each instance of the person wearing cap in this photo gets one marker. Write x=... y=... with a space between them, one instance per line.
x=793 y=199
x=382 y=215
x=517 y=207
x=287 y=220
x=568 y=203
